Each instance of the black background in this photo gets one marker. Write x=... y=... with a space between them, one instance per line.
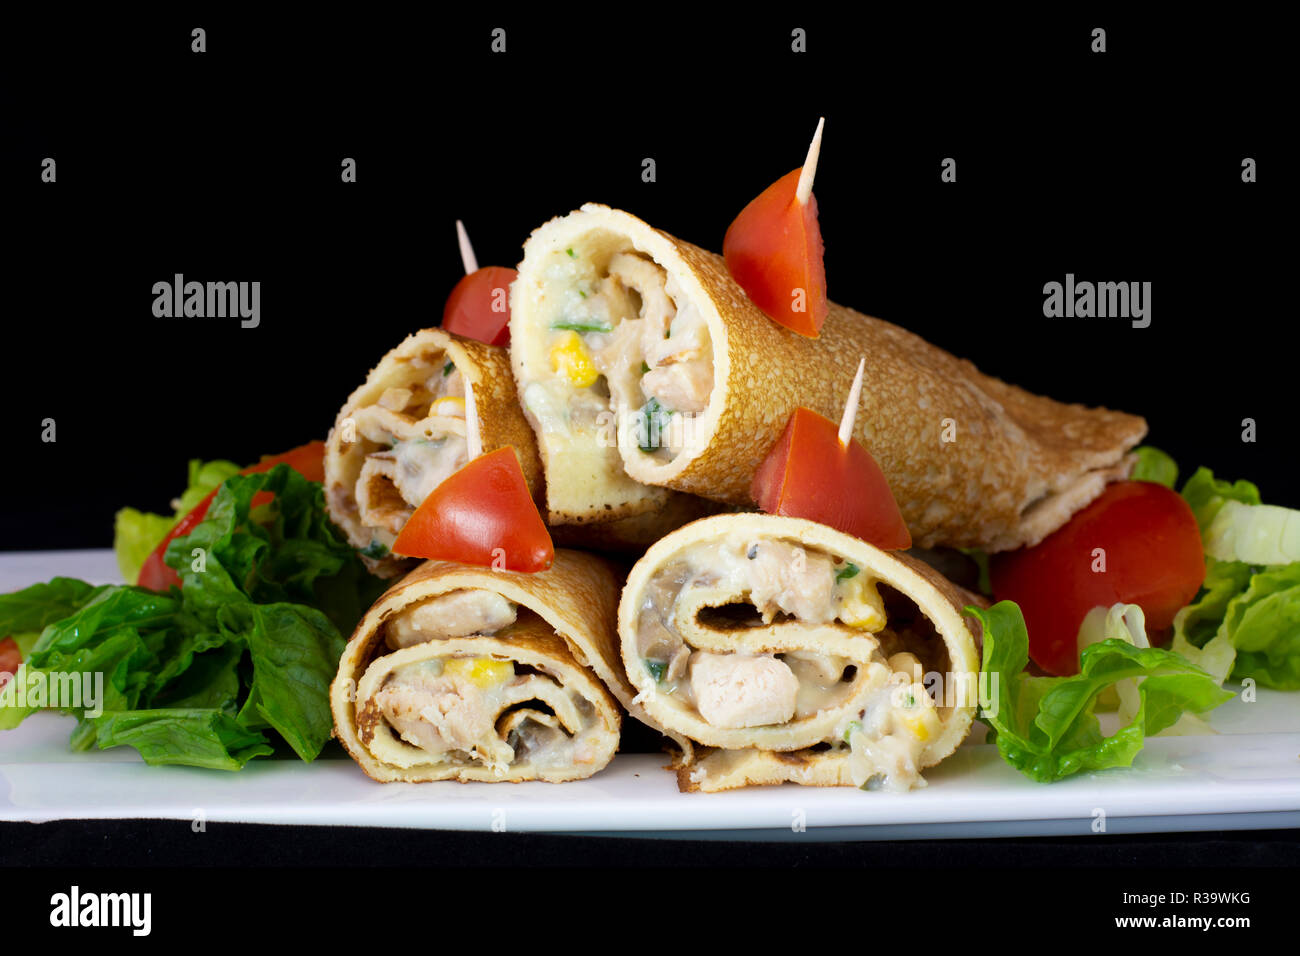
x=1124 y=166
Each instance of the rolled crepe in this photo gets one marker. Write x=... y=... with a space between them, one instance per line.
x=465 y=673
x=404 y=431
x=791 y=652
x=701 y=384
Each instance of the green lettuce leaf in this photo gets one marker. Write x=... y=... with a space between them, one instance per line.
x=1197 y=627
x=292 y=554
x=194 y=737
x=111 y=635
x=1263 y=623
x=24 y=614
x=137 y=533
x=33 y=608
x=1154 y=465
x=1256 y=534
x=1127 y=623
x=261 y=583
x=196 y=675
x=1245 y=623
x=1206 y=495
x=1046 y=726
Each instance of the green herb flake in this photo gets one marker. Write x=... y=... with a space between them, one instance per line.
x=578 y=325
x=848 y=571
x=571 y=254
x=375 y=550
x=448 y=369
x=654 y=419
x=656 y=669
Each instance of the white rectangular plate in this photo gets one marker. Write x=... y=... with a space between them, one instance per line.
x=1245 y=777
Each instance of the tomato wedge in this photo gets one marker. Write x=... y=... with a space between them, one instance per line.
x=10 y=659
x=308 y=460
x=479 y=306
x=775 y=253
x=1150 y=555
x=479 y=514
x=809 y=474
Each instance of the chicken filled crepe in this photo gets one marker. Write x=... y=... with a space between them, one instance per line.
x=404 y=431
x=465 y=673
x=639 y=359
x=792 y=652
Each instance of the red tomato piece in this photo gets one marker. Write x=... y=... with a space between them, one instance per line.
x=809 y=474
x=154 y=573
x=774 y=251
x=10 y=659
x=1151 y=552
x=479 y=306
x=481 y=512
x=308 y=460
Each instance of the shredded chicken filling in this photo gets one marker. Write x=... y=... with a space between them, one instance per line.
x=486 y=710
x=625 y=340
x=755 y=584
x=458 y=613
x=415 y=438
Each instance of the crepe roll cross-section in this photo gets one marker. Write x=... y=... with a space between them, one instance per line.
x=403 y=431
x=788 y=651
x=469 y=674
x=640 y=359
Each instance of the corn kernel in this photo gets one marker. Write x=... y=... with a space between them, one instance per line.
x=569 y=357
x=860 y=603
x=919 y=717
x=449 y=406
x=479 y=671
x=919 y=726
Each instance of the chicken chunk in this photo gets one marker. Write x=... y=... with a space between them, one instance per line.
x=647 y=279
x=742 y=690
x=436 y=713
x=422 y=465
x=455 y=614
x=681 y=386
x=784 y=577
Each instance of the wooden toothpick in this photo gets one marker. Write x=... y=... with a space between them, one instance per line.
x=851 y=409
x=466 y=250
x=804 y=189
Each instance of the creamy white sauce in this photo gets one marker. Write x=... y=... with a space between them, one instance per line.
x=467 y=710
x=621 y=339
x=791 y=587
